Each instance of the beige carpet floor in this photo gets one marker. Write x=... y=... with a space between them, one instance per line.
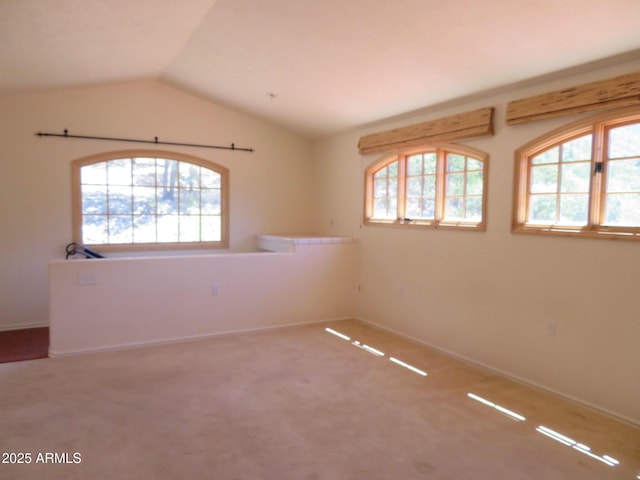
x=296 y=403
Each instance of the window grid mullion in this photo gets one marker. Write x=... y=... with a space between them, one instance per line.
x=108 y=213
x=422 y=178
x=133 y=231
x=401 y=202
x=464 y=188
x=155 y=184
x=598 y=190
x=440 y=185
x=559 y=183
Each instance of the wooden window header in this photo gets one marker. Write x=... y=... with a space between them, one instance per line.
x=456 y=127
x=623 y=91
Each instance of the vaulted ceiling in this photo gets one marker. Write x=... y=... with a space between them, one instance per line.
x=314 y=66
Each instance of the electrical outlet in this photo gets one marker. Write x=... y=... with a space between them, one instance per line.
x=87 y=278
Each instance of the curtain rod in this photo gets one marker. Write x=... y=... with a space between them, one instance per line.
x=155 y=141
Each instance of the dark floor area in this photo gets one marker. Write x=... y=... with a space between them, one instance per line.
x=25 y=344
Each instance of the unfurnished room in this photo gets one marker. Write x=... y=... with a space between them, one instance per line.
x=293 y=239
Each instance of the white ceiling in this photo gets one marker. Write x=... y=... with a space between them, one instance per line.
x=331 y=64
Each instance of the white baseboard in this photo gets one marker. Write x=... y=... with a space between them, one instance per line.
x=22 y=326
x=188 y=338
x=618 y=416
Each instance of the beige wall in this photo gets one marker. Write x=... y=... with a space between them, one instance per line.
x=270 y=188
x=488 y=296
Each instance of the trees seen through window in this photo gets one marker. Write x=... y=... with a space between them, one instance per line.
x=149 y=200
x=582 y=180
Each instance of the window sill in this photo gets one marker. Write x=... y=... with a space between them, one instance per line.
x=447 y=225
x=152 y=247
x=577 y=232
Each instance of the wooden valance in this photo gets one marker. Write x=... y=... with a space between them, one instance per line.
x=623 y=91
x=456 y=127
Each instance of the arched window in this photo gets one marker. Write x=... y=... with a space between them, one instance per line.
x=137 y=200
x=582 y=179
x=435 y=186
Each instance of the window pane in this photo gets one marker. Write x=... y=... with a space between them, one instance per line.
x=574 y=209
x=380 y=188
x=382 y=173
x=623 y=209
x=120 y=229
x=94 y=199
x=549 y=156
x=578 y=149
x=473 y=164
x=190 y=228
x=428 y=208
x=188 y=174
x=144 y=200
x=95 y=174
x=429 y=183
x=120 y=200
x=95 y=229
x=623 y=175
x=419 y=208
x=393 y=169
x=624 y=141
x=414 y=165
x=453 y=208
x=430 y=162
x=210 y=228
x=381 y=210
x=393 y=187
x=413 y=208
x=575 y=177
x=474 y=209
x=393 y=208
x=166 y=172
x=414 y=186
x=543 y=209
x=144 y=229
x=119 y=172
x=455 y=163
x=168 y=228
x=189 y=201
x=544 y=179
x=210 y=202
x=167 y=200
x=455 y=184
x=144 y=171
x=209 y=178
x=474 y=183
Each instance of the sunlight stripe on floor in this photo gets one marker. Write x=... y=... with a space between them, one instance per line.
x=580 y=447
x=337 y=334
x=410 y=367
x=500 y=408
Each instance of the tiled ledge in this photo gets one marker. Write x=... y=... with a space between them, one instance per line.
x=288 y=242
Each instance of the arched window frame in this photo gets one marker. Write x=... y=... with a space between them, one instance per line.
x=599 y=127
x=77 y=201
x=440 y=220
